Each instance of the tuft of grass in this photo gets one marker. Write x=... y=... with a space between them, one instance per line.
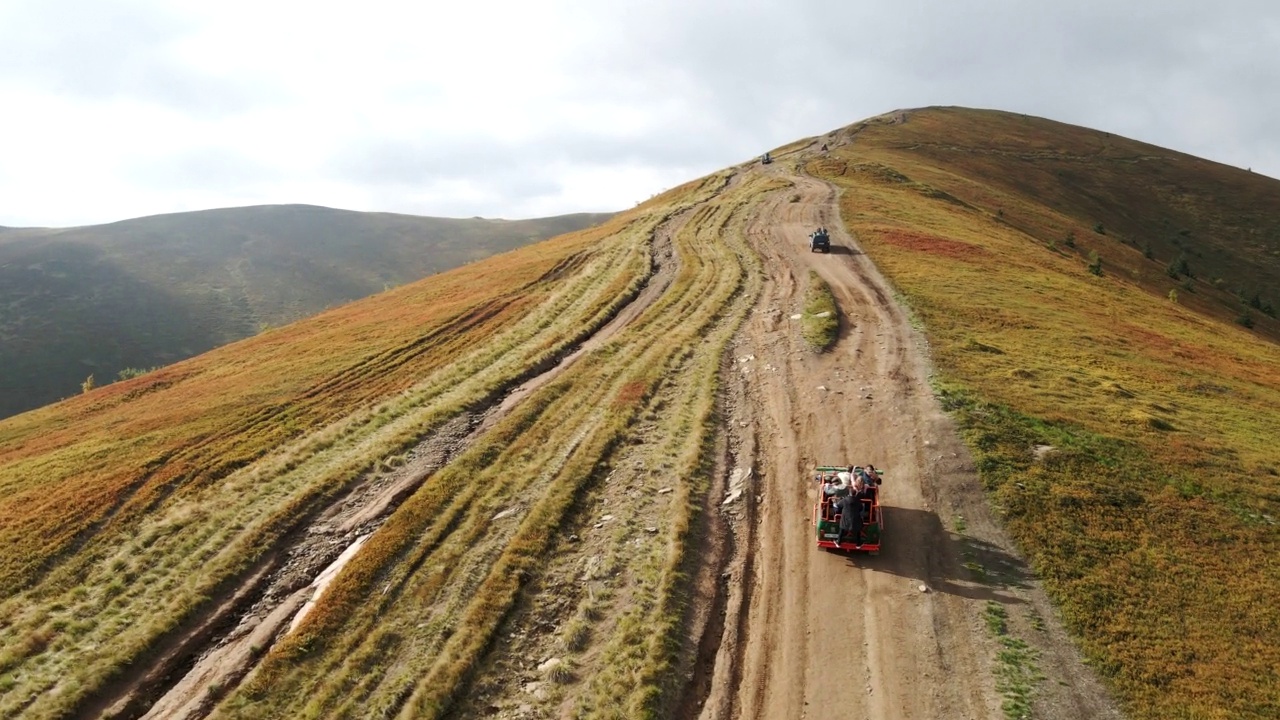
x=821 y=321
x=562 y=672
x=576 y=635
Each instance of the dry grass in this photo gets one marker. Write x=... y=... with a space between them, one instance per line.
x=110 y=545
x=1153 y=522
x=441 y=551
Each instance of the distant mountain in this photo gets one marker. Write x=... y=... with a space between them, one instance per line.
x=139 y=293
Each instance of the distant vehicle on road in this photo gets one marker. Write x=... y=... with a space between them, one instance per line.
x=819 y=241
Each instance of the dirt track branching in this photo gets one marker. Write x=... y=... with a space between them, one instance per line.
x=442 y=547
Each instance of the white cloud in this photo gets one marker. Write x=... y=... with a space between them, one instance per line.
x=119 y=108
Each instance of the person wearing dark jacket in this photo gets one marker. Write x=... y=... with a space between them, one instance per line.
x=850 y=518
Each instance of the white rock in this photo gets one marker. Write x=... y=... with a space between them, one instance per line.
x=797 y=316
x=664 y=491
x=824 y=313
x=606 y=518
x=924 y=588
x=823 y=388
x=549 y=664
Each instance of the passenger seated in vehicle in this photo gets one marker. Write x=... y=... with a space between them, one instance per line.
x=833 y=488
x=873 y=475
x=835 y=485
x=865 y=492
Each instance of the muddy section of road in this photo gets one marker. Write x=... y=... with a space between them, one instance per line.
x=189 y=679
x=809 y=633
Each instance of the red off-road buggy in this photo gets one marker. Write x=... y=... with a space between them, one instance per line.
x=826 y=514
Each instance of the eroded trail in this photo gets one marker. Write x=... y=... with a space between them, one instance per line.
x=544 y=580
x=343 y=527
x=820 y=634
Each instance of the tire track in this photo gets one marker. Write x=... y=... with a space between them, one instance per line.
x=827 y=635
x=228 y=645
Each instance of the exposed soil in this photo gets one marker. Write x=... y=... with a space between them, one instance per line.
x=187 y=680
x=778 y=628
x=810 y=633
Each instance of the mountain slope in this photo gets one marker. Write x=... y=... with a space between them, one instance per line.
x=150 y=291
x=1151 y=507
x=575 y=479
x=1121 y=198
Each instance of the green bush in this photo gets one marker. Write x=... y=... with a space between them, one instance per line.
x=130 y=372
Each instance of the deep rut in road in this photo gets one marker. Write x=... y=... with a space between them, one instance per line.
x=209 y=660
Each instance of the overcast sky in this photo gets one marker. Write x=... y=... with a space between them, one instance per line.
x=114 y=109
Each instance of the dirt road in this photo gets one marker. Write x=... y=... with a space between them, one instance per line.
x=815 y=634
x=781 y=629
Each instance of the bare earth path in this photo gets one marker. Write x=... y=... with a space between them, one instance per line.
x=815 y=634
x=804 y=633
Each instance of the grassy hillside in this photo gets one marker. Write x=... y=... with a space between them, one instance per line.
x=150 y=291
x=1125 y=433
x=130 y=512
x=1036 y=256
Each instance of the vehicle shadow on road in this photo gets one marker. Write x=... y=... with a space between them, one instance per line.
x=843 y=250
x=915 y=545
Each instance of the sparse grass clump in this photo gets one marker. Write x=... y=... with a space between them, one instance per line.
x=576 y=634
x=1016 y=671
x=821 y=321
